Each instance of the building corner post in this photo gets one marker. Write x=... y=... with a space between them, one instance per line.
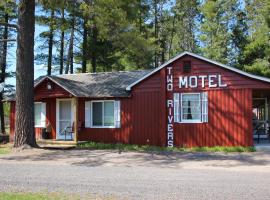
x=75 y=110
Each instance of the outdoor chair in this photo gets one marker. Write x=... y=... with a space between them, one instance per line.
x=261 y=129
x=69 y=130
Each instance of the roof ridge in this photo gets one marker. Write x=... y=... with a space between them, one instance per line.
x=140 y=70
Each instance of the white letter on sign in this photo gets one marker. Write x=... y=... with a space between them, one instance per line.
x=220 y=84
x=170 y=103
x=211 y=81
x=193 y=81
x=183 y=81
x=203 y=77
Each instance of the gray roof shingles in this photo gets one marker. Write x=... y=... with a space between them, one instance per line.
x=103 y=84
x=95 y=85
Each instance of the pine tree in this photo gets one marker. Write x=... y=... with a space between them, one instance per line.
x=7 y=14
x=48 y=19
x=256 y=55
x=24 y=124
x=186 y=15
x=216 y=28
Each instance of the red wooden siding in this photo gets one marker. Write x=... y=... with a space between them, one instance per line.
x=230 y=108
x=141 y=118
x=229 y=121
x=135 y=120
x=41 y=91
x=50 y=118
x=232 y=79
x=12 y=121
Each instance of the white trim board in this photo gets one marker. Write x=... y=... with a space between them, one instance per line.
x=201 y=58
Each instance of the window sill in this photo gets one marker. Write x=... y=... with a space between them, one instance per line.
x=190 y=122
x=101 y=127
x=39 y=126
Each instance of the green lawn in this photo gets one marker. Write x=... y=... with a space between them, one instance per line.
x=4 y=149
x=47 y=196
x=148 y=148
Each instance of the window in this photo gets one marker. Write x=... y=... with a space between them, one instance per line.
x=102 y=114
x=190 y=107
x=187 y=67
x=40 y=114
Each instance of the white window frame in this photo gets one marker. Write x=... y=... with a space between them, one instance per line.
x=42 y=116
x=191 y=120
x=91 y=114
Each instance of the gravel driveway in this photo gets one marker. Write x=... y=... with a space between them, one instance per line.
x=132 y=175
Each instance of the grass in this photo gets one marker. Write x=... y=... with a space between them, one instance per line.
x=5 y=149
x=148 y=148
x=28 y=196
x=46 y=196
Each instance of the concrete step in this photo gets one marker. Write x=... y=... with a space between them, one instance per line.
x=57 y=144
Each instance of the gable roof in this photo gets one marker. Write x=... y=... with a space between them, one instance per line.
x=103 y=84
x=201 y=58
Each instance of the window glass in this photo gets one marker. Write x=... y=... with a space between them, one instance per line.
x=191 y=107
x=108 y=113
x=38 y=114
x=65 y=110
x=97 y=113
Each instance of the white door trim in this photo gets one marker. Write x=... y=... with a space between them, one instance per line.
x=57 y=114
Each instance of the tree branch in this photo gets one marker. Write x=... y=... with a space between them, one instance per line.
x=8 y=40
x=9 y=25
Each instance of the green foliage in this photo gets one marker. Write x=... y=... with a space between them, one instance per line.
x=217 y=26
x=142 y=34
x=256 y=55
x=185 y=26
x=148 y=148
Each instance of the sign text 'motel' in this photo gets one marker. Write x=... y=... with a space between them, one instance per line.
x=213 y=81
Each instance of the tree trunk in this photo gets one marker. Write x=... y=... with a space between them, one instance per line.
x=172 y=35
x=69 y=66
x=156 y=31
x=62 y=42
x=49 y=69
x=3 y=65
x=84 y=56
x=94 y=41
x=24 y=124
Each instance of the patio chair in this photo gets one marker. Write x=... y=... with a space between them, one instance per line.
x=260 y=129
x=67 y=131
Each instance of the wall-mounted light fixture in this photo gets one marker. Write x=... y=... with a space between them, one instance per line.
x=49 y=86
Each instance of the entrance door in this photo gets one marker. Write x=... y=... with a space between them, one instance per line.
x=64 y=116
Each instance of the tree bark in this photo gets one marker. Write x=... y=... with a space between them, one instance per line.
x=24 y=124
x=156 y=31
x=49 y=69
x=62 y=42
x=94 y=41
x=84 y=56
x=3 y=65
x=69 y=66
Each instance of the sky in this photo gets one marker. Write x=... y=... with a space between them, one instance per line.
x=11 y=58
